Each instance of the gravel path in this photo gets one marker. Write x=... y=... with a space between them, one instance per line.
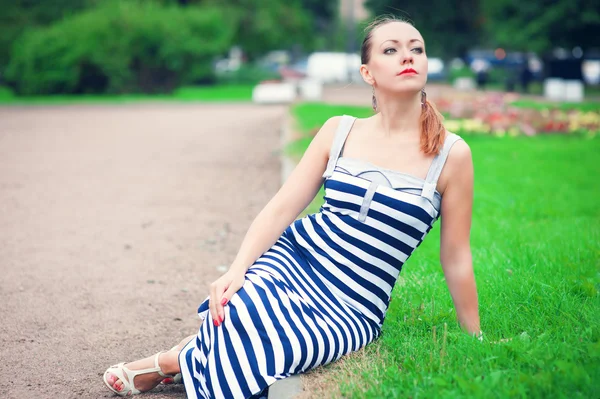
x=114 y=220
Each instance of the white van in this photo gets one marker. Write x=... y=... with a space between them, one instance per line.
x=334 y=67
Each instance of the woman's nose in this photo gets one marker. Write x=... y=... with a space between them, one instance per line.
x=407 y=58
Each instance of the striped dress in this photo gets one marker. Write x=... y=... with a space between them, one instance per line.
x=323 y=289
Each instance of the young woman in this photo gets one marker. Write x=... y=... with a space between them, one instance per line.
x=303 y=293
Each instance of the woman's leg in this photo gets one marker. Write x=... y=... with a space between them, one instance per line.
x=184 y=342
x=168 y=363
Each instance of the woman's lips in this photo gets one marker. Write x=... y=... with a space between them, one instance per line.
x=408 y=71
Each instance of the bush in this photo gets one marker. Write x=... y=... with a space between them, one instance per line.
x=496 y=75
x=247 y=74
x=462 y=72
x=121 y=47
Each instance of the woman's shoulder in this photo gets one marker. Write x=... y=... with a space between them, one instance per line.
x=458 y=144
x=331 y=125
x=334 y=121
x=452 y=136
x=458 y=165
x=459 y=153
x=324 y=137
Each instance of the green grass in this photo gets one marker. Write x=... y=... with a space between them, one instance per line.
x=535 y=244
x=537 y=89
x=184 y=94
x=584 y=106
x=311 y=116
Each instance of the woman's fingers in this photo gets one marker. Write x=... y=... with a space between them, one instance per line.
x=220 y=293
x=224 y=301
x=234 y=286
x=212 y=303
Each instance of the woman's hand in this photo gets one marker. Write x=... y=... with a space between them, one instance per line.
x=221 y=291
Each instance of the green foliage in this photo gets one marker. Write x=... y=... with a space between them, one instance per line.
x=463 y=72
x=496 y=75
x=449 y=27
x=121 y=47
x=275 y=24
x=327 y=31
x=536 y=26
x=534 y=243
x=267 y=24
x=18 y=16
x=321 y=11
x=260 y=26
x=541 y=25
x=247 y=74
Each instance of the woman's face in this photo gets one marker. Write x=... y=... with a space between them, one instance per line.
x=398 y=62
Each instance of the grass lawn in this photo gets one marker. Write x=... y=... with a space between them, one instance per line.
x=584 y=106
x=536 y=253
x=537 y=88
x=184 y=94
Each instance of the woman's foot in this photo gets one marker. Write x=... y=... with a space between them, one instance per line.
x=117 y=377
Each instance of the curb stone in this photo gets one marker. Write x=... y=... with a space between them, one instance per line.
x=288 y=388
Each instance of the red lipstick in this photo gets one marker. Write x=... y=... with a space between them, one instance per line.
x=407 y=70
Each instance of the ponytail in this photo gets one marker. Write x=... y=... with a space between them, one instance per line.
x=433 y=131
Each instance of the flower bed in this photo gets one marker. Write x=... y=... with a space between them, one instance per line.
x=496 y=113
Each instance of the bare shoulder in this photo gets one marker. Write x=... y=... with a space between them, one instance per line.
x=325 y=135
x=330 y=126
x=459 y=155
x=458 y=167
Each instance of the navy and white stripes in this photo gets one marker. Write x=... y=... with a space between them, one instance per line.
x=323 y=289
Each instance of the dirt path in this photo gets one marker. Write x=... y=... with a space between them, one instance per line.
x=113 y=222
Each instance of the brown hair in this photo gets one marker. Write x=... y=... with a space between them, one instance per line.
x=431 y=121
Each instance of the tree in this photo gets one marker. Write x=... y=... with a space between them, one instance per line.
x=322 y=13
x=543 y=24
x=19 y=15
x=121 y=47
x=267 y=24
x=449 y=28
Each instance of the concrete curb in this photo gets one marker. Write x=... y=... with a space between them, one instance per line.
x=288 y=388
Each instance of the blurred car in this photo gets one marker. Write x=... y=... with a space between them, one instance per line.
x=329 y=67
x=435 y=69
x=500 y=58
x=273 y=60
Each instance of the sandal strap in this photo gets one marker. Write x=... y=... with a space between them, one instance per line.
x=128 y=383
x=157 y=367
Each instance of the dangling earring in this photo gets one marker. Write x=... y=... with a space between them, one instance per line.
x=423 y=98
x=374 y=101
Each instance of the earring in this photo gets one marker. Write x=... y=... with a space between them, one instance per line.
x=374 y=101
x=423 y=98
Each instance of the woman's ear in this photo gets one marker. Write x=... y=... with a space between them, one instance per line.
x=366 y=75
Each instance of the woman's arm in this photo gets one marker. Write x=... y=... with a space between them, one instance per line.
x=291 y=199
x=455 y=253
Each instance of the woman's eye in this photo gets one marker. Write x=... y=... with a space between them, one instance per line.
x=389 y=50
x=418 y=50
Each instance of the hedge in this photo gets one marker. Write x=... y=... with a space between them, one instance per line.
x=121 y=47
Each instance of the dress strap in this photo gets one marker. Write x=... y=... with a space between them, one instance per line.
x=435 y=170
x=339 y=139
